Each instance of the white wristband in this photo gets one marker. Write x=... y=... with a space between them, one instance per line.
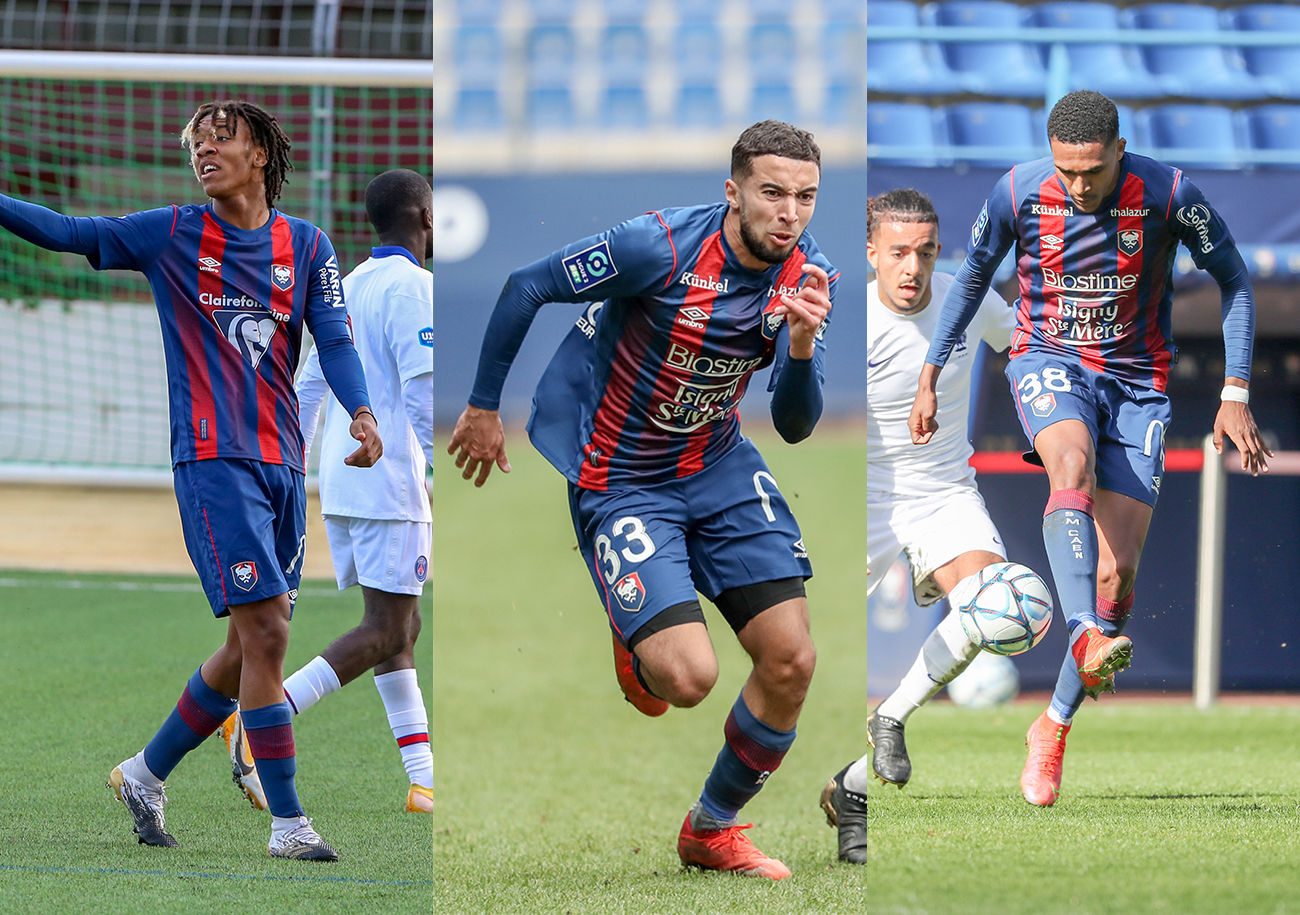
x=1234 y=393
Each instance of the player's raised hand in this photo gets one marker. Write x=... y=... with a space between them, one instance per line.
x=1236 y=420
x=921 y=421
x=479 y=441
x=806 y=310
x=365 y=431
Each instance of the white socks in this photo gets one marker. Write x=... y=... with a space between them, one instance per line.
x=946 y=653
x=410 y=723
x=136 y=769
x=311 y=683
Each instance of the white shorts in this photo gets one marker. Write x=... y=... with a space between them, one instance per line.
x=390 y=556
x=932 y=530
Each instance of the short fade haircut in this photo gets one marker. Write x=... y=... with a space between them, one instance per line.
x=772 y=138
x=902 y=204
x=266 y=132
x=395 y=200
x=1084 y=117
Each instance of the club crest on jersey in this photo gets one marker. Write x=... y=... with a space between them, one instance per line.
x=772 y=324
x=421 y=568
x=630 y=592
x=1051 y=242
x=244 y=574
x=282 y=276
x=981 y=222
x=589 y=267
x=247 y=332
x=1044 y=404
x=210 y=265
x=1130 y=241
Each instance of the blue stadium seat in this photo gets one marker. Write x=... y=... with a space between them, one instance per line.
x=1199 y=136
x=550 y=108
x=1111 y=69
x=623 y=53
x=698 y=105
x=1197 y=71
x=697 y=51
x=1277 y=70
x=478 y=11
x=1008 y=127
x=478 y=55
x=624 y=107
x=550 y=55
x=771 y=51
x=843 y=49
x=773 y=100
x=990 y=67
x=697 y=11
x=551 y=12
x=625 y=12
x=843 y=104
x=905 y=66
x=1274 y=128
x=846 y=11
x=478 y=109
x=903 y=125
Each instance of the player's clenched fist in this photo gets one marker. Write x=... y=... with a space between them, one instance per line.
x=479 y=441
x=364 y=430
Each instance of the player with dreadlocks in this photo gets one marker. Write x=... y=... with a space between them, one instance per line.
x=920 y=501
x=234 y=281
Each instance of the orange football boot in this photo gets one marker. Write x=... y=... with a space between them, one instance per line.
x=1099 y=657
x=726 y=850
x=1040 y=783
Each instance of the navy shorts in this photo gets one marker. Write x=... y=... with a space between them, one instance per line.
x=1127 y=422
x=652 y=548
x=245 y=525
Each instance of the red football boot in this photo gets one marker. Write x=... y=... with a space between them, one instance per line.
x=1099 y=657
x=1040 y=783
x=633 y=691
x=726 y=850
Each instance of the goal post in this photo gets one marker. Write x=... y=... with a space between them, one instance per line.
x=82 y=378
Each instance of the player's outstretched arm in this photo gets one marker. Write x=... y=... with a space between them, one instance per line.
x=479 y=441
x=925 y=406
x=1238 y=306
x=48 y=229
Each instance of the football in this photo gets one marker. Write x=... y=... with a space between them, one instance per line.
x=989 y=680
x=1006 y=608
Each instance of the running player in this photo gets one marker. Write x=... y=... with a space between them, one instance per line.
x=638 y=409
x=920 y=501
x=378 y=521
x=1095 y=230
x=234 y=281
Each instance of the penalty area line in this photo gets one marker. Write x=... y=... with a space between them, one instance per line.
x=28 y=868
x=171 y=587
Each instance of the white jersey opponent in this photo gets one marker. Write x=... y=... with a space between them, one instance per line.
x=896 y=349
x=390 y=305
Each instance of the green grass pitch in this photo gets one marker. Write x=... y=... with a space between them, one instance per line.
x=89 y=667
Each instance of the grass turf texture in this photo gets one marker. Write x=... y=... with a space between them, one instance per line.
x=554 y=794
x=1163 y=809
x=87 y=673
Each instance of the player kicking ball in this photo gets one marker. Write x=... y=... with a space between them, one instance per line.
x=1096 y=230
x=638 y=409
x=377 y=520
x=920 y=501
x=234 y=281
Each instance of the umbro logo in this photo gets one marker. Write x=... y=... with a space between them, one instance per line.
x=209 y=265
x=693 y=317
x=1052 y=242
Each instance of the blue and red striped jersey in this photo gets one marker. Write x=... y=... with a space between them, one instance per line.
x=1096 y=288
x=232 y=304
x=645 y=387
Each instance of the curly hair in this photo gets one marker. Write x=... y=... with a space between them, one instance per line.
x=903 y=204
x=772 y=138
x=266 y=132
x=1084 y=117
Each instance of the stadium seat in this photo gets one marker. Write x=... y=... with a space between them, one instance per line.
x=1270 y=128
x=624 y=107
x=1111 y=69
x=842 y=50
x=988 y=67
x=1007 y=129
x=550 y=55
x=1196 y=71
x=846 y=11
x=478 y=12
x=624 y=12
x=697 y=11
x=477 y=55
x=697 y=51
x=551 y=12
x=843 y=104
x=771 y=51
x=478 y=109
x=623 y=52
x=1199 y=136
x=904 y=66
x=698 y=105
x=1277 y=70
x=902 y=126
x=773 y=100
x=550 y=108
x=772 y=10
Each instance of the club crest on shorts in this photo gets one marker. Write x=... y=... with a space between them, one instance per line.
x=282 y=276
x=1044 y=404
x=421 y=568
x=244 y=574
x=630 y=592
x=1130 y=241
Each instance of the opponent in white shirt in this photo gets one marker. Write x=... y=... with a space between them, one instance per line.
x=379 y=522
x=920 y=501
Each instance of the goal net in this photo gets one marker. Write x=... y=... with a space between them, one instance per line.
x=82 y=381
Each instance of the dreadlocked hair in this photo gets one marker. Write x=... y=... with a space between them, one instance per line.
x=902 y=204
x=266 y=134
